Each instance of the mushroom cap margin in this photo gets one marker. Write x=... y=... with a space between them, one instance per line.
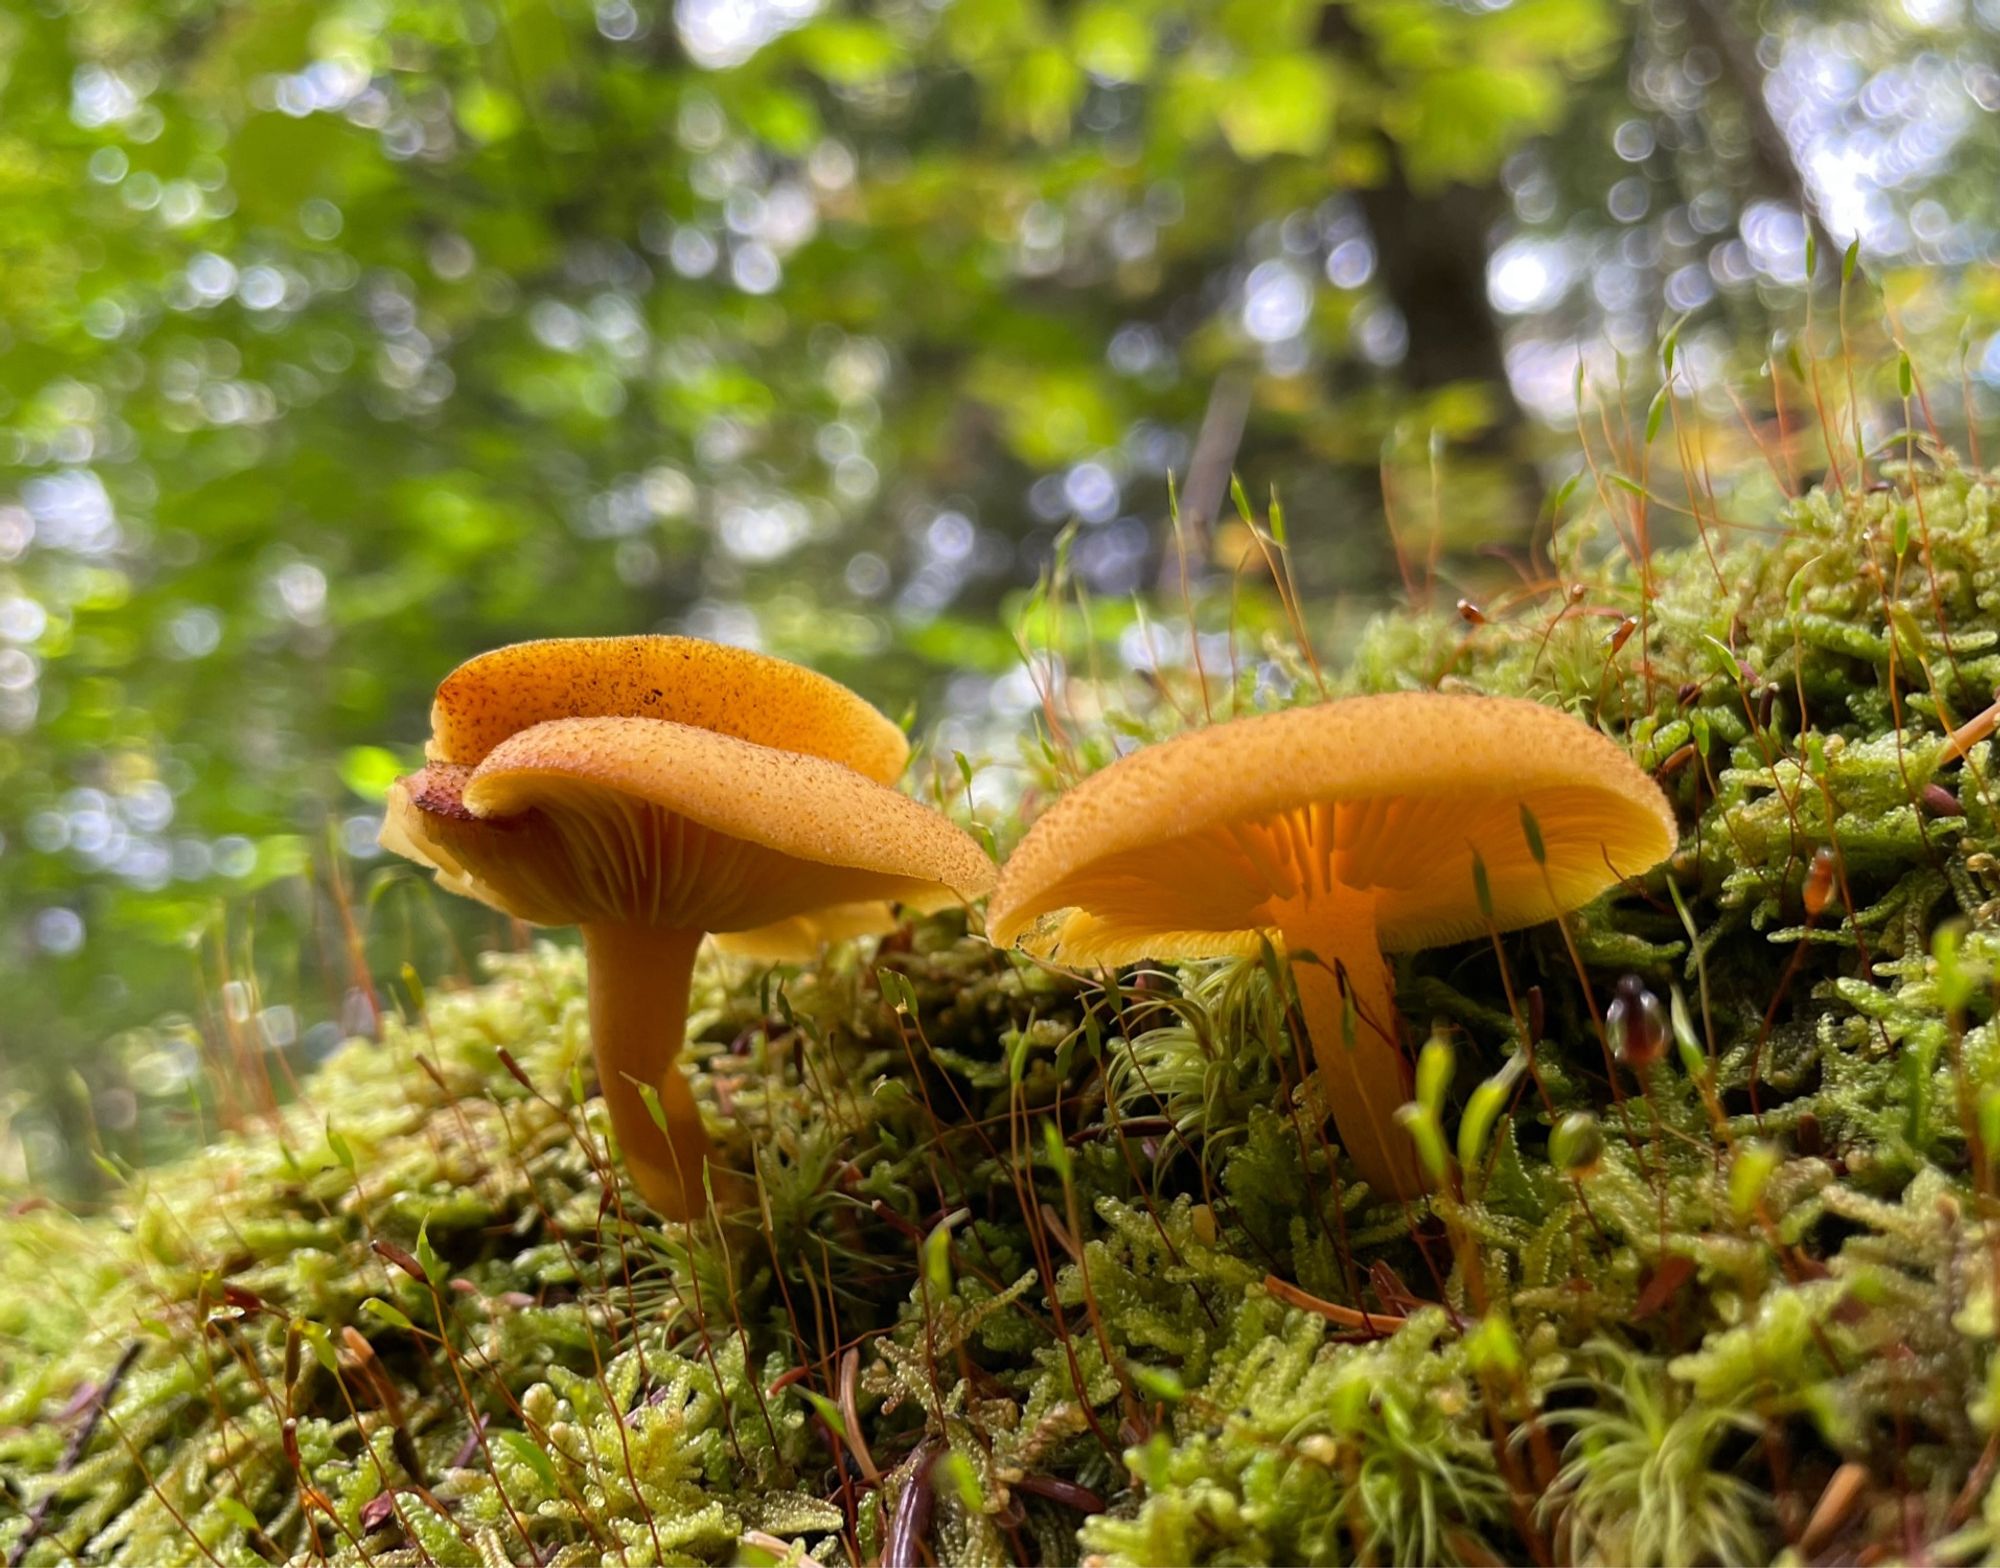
x=587 y=820
x=805 y=807
x=1455 y=758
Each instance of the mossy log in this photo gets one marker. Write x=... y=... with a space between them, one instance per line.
x=1050 y=1267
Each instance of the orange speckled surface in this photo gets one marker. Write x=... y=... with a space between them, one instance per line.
x=1179 y=848
x=684 y=680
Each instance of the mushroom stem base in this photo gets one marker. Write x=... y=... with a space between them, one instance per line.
x=639 y=978
x=1348 y=997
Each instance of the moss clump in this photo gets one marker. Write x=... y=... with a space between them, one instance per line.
x=1048 y=1268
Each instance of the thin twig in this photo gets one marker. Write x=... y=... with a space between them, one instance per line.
x=1382 y=1323
x=74 y=1451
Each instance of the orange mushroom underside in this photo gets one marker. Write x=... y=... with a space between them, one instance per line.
x=1334 y=885
x=1374 y=851
x=649 y=834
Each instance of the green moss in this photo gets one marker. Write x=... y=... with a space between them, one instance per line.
x=1046 y=1269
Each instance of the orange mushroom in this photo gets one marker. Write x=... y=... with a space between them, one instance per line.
x=1339 y=832
x=651 y=790
x=802 y=938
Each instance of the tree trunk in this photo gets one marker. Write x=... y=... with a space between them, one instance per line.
x=1774 y=166
x=1431 y=252
x=1431 y=256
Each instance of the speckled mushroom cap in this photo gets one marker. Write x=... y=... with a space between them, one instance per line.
x=643 y=821
x=684 y=680
x=1179 y=849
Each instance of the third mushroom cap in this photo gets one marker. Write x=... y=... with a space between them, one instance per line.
x=1340 y=831
x=654 y=789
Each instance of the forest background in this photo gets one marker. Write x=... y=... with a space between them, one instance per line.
x=339 y=341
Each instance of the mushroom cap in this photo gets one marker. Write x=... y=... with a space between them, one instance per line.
x=643 y=821
x=684 y=680
x=1183 y=849
x=799 y=939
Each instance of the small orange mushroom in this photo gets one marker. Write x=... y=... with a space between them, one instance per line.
x=1338 y=831
x=652 y=790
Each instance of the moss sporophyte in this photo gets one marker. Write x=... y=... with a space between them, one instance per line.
x=1047 y=1256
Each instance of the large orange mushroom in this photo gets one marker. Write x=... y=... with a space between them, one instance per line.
x=652 y=790
x=1339 y=832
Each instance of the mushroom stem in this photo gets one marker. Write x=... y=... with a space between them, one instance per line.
x=639 y=978
x=1362 y=1069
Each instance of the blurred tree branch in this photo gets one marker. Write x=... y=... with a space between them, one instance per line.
x=1774 y=167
